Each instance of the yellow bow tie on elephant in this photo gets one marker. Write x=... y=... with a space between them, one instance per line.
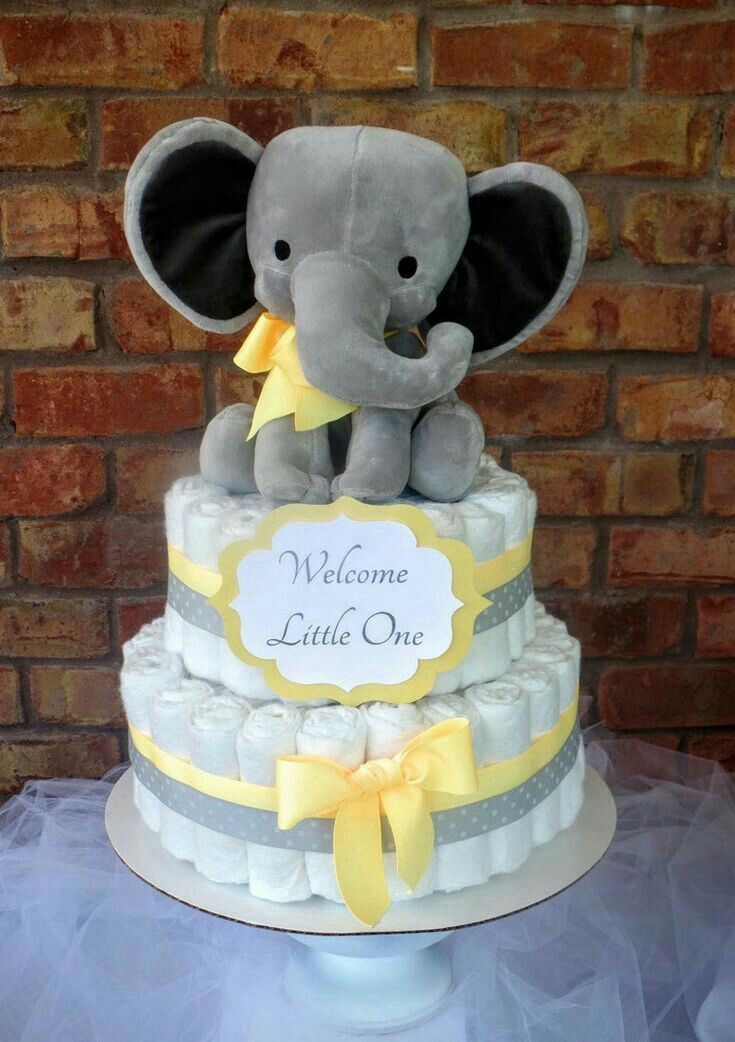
x=439 y=759
x=270 y=347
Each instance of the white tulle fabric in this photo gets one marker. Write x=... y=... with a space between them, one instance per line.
x=641 y=950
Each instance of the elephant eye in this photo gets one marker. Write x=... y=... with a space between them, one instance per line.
x=407 y=267
x=282 y=249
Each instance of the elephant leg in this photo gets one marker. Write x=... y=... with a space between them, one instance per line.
x=379 y=455
x=446 y=448
x=226 y=457
x=293 y=466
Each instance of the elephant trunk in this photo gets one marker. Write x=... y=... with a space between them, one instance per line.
x=341 y=306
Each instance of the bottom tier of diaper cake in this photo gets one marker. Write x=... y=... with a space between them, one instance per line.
x=525 y=739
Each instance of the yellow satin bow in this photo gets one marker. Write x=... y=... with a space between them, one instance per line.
x=270 y=347
x=439 y=759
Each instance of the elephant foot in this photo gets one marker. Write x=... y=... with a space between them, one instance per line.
x=289 y=485
x=446 y=448
x=358 y=486
x=226 y=457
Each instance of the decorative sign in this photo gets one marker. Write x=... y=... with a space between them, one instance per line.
x=349 y=602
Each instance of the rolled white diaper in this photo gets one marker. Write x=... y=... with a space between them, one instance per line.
x=203 y=650
x=562 y=662
x=213 y=729
x=275 y=873
x=435 y=708
x=150 y=636
x=571 y=791
x=466 y=862
x=181 y=493
x=146 y=670
x=389 y=728
x=489 y=654
x=506 y=717
x=238 y=525
x=548 y=626
x=540 y=684
x=338 y=733
x=529 y=608
x=171 y=709
x=505 y=494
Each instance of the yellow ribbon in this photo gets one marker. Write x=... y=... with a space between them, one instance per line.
x=489 y=575
x=270 y=347
x=435 y=771
x=494 y=778
x=439 y=759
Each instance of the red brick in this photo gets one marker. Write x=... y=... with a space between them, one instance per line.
x=43 y=133
x=39 y=480
x=231 y=387
x=717 y=745
x=719 y=483
x=703 y=5
x=52 y=627
x=128 y=123
x=593 y=484
x=679 y=228
x=722 y=325
x=562 y=557
x=716 y=626
x=676 y=408
x=475 y=131
x=5 y=559
x=74 y=402
x=689 y=58
x=82 y=696
x=113 y=553
x=657 y=484
x=624 y=316
x=668 y=556
x=100 y=51
x=23 y=759
x=727 y=162
x=546 y=402
x=313 y=50
x=145 y=472
x=573 y=484
x=11 y=711
x=55 y=221
x=667 y=696
x=622 y=626
x=599 y=245
x=47 y=314
x=669 y=139
x=143 y=324
x=132 y=613
x=532 y=54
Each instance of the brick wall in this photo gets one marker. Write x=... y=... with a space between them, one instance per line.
x=621 y=412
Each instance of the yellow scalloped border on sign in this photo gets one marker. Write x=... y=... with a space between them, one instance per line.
x=422 y=681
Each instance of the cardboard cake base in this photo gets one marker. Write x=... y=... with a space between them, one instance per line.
x=353 y=976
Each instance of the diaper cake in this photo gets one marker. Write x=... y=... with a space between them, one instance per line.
x=353 y=694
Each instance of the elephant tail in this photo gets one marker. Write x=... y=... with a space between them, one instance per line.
x=226 y=457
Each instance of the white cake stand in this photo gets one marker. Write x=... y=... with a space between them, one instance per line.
x=353 y=977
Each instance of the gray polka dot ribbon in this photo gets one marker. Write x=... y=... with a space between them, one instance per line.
x=260 y=826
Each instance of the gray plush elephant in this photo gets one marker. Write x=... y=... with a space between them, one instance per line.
x=385 y=262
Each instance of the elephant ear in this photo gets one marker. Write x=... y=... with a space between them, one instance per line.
x=185 y=208
x=524 y=254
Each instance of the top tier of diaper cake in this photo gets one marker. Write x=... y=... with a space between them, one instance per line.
x=349 y=603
